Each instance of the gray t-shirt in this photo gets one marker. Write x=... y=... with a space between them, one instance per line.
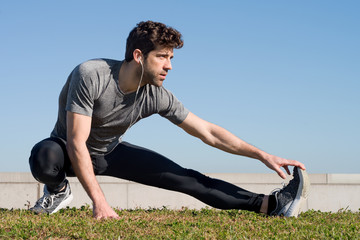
x=92 y=90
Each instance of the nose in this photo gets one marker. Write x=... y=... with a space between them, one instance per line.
x=168 y=65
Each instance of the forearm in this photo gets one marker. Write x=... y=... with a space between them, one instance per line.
x=220 y=138
x=224 y=140
x=83 y=168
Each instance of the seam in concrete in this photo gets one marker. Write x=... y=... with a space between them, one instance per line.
x=127 y=196
x=38 y=190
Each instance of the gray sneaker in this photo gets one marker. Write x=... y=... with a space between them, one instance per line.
x=52 y=202
x=290 y=198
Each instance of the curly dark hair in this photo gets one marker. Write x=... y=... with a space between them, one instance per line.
x=147 y=35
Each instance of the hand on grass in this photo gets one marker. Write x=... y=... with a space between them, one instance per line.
x=104 y=211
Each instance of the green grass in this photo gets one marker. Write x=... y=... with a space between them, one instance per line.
x=74 y=223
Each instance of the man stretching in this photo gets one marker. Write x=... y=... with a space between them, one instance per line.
x=103 y=98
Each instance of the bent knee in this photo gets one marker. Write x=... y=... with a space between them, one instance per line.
x=46 y=159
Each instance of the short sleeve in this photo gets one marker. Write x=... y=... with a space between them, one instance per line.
x=80 y=98
x=170 y=107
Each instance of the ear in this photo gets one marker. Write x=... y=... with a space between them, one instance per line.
x=137 y=55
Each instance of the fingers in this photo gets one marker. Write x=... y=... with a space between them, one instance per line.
x=287 y=169
x=291 y=163
x=276 y=163
x=107 y=217
x=295 y=163
x=286 y=165
x=115 y=217
x=107 y=213
x=280 y=173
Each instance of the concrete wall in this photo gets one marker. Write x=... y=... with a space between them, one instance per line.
x=329 y=192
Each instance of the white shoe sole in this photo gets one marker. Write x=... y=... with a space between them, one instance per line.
x=64 y=203
x=301 y=195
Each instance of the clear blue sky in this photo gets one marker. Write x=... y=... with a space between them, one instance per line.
x=282 y=75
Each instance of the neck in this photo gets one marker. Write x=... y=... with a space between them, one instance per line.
x=129 y=77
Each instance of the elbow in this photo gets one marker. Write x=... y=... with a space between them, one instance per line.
x=208 y=136
x=208 y=139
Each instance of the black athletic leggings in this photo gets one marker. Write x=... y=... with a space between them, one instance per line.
x=50 y=164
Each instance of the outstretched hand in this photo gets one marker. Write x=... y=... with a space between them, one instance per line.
x=276 y=163
x=104 y=211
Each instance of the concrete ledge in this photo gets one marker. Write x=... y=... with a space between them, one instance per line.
x=329 y=192
x=344 y=179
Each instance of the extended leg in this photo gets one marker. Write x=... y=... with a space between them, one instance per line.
x=147 y=167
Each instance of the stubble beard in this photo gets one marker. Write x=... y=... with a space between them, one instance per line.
x=151 y=78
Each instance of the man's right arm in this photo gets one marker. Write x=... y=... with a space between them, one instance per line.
x=78 y=130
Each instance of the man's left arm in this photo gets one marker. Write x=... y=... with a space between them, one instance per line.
x=222 y=139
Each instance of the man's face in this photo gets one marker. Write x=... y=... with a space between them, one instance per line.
x=157 y=64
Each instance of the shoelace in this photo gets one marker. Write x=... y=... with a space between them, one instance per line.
x=46 y=201
x=283 y=186
x=279 y=189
